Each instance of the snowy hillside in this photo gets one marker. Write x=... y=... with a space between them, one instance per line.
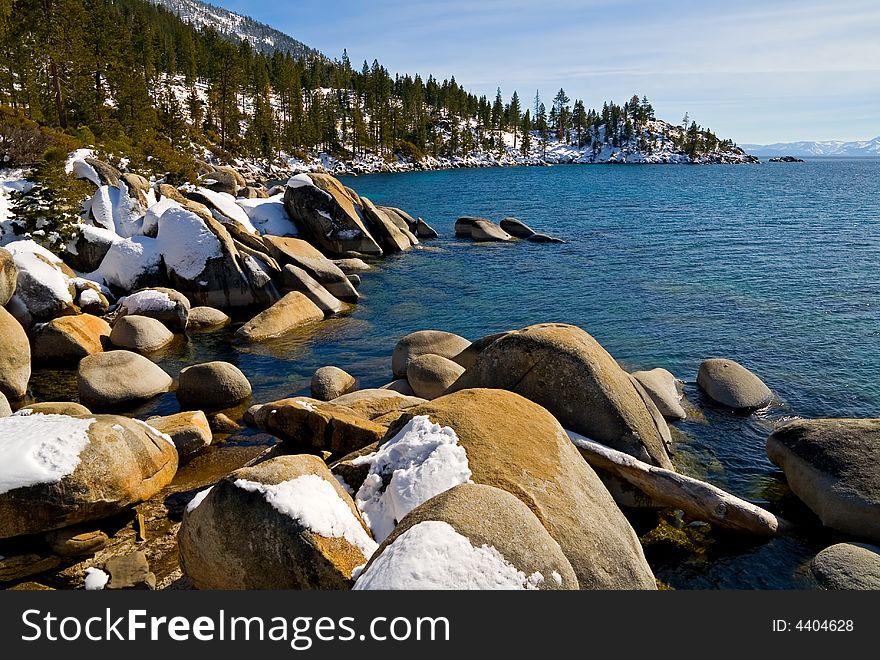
x=861 y=148
x=235 y=27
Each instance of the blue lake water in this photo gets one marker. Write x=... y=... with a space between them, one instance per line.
x=772 y=265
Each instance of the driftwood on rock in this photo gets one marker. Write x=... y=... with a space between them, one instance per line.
x=698 y=499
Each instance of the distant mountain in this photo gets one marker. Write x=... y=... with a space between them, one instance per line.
x=236 y=27
x=863 y=148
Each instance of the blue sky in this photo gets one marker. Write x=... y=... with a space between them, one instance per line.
x=754 y=71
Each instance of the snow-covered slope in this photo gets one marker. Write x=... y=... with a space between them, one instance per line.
x=863 y=148
x=236 y=27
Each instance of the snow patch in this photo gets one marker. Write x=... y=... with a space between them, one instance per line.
x=198 y=499
x=186 y=242
x=268 y=216
x=127 y=262
x=96 y=579
x=432 y=555
x=300 y=180
x=40 y=449
x=228 y=208
x=149 y=300
x=315 y=504
x=421 y=461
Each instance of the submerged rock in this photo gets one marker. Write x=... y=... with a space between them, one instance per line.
x=469 y=537
x=285 y=523
x=331 y=382
x=292 y=311
x=115 y=378
x=661 y=386
x=832 y=466
x=732 y=385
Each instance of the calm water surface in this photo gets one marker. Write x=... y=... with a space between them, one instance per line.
x=772 y=265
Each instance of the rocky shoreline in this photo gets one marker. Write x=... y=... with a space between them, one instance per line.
x=524 y=456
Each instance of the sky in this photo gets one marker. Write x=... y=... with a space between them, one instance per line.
x=753 y=71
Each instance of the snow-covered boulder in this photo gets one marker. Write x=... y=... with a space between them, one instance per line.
x=268 y=215
x=327 y=213
x=292 y=311
x=498 y=438
x=15 y=357
x=8 y=276
x=69 y=338
x=114 y=208
x=44 y=283
x=223 y=207
x=469 y=537
x=59 y=470
x=92 y=298
x=286 y=523
x=166 y=305
x=130 y=264
x=313 y=425
x=116 y=378
x=88 y=247
x=186 y=244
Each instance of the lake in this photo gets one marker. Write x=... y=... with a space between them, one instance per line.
x=772 y=265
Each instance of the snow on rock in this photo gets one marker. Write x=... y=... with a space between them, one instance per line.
x=300 y=180
x=268 y=216
x=96 y=579
x=225 y=203
x=149 y=300
x=11 y=181
x=314 y=503
x=154 y=212
x=128 y=263
x=42 y=286
x=79 y=156
x=186 y=243
x=432 y=555
x=114 y=209
x=40 y=449
x=422 y=460
x=198 y=499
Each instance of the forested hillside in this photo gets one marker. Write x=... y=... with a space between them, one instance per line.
x=135 y=80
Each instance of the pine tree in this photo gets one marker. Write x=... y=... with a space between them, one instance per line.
x=513 y=115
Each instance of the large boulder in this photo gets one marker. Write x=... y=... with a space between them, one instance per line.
x=469 y=537
x=517 y=228
x=312 y=425
x=8 y=276
x=301 y=254
x=15 y=357
x=662 y=387
x=5 y=408
x=44 y=282
x=116 y=378
x=391 y=237
x=59 y=470
x=285 y=523
x=331 y=382
x=202 y=319
x=848 y=566
x=732 y=385
x=431 y=375
x=480 y=230
x=327 y=213
x=166 y=305
x=435 y=342
x=212 y=386
x=292 y=311
x=221 y=182
x=833 y=465
x=564 y=369
x=424 y=230
x=498 y=438
x=294 y=278
x=70 y=338
x=143 y=334
x=189 y=430
x=375 y=403
x=87 y=249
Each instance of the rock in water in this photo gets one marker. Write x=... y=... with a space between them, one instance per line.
x=189 y=431
x=166 y=305
x=15 y=357
x=296 y=279
x=373 y=403
x=436 y=342
x=662 y=388
x=8 y=276
x=115 y=378
x=424 y=230
x=480 y=229
x=464 y=226
x=517 y=228
x=732 y=385
x=514 y=444
x=62 y=470
x=325 y=211
x=140 y=333
x=848 y=566
x=212 y=386
x=832 y=466
x=392 y=238
x=70 y=338
x=431 y=375
x=543 y=238
x=331 y=382
x=469 y=537
x=302 y=255
x=564 y=369
x=206 y=318
x=292 y=311
x=282 y=524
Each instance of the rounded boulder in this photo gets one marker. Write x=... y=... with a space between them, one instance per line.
x=143 y=334
x=732 y=385
x=212 y=386
x=431 y=375
x=331 y=382
x=116 y=378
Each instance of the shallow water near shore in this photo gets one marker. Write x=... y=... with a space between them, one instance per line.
x=771 y=265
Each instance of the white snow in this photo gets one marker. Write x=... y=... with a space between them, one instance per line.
x=315 y=504
x=127 y=261
x=198 y=499
x=186 y=242
x=40 y=449
x=432 y=555
x=148 y=300
x=577 y=439
x=348 y=489
x=39 y=268
x=96 y=579
x=89 y=297
x=421 y=461
x=154 y=212
x=229 y=210
x=11 y=181
x=113 y=209
x=268 y=216
x=300 y=180
x=76 y=164
x=308 y=405
x=155 y=432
